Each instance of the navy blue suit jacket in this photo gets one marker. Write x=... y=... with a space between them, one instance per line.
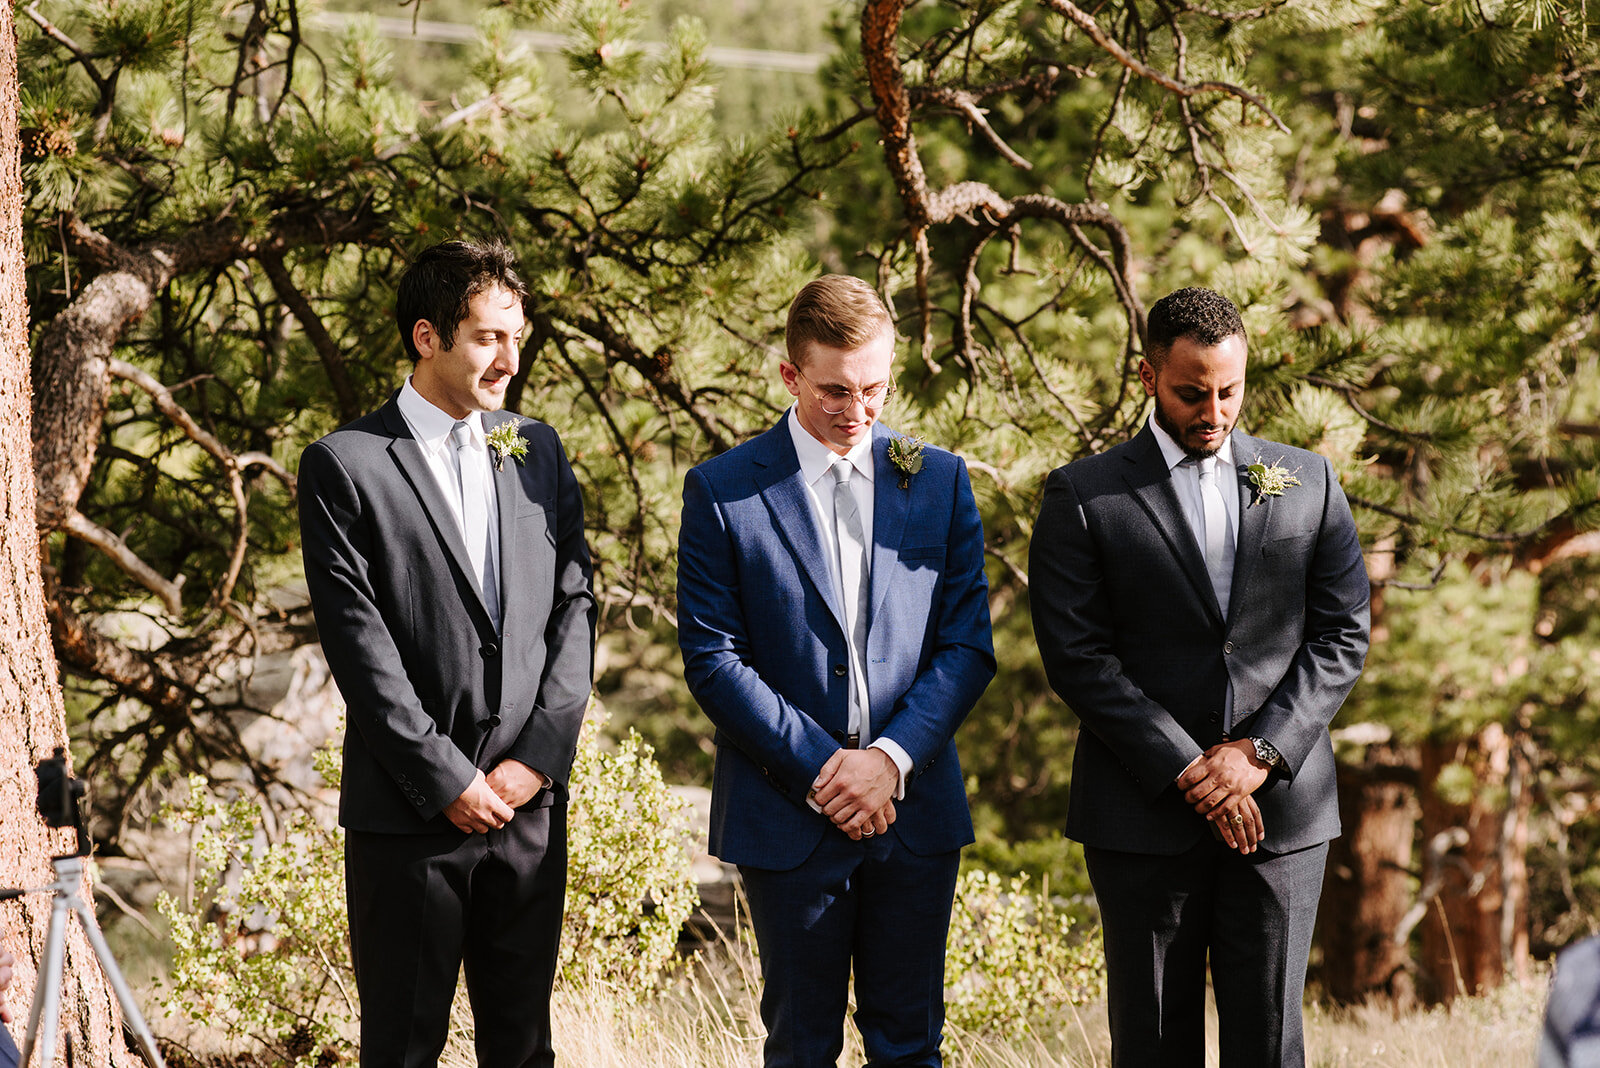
x=764 y=644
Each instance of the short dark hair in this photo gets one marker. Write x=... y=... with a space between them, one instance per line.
x=1201 y=315
x=441 y=282
x=837 y=310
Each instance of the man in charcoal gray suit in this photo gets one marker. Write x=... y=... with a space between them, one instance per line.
x=1200 y=602
x=444 y=551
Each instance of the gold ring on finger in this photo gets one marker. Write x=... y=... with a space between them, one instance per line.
x=1236 y=819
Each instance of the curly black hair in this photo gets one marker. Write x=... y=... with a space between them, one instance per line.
x=1201 y=315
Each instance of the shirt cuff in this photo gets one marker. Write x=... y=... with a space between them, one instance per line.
x=902 y=763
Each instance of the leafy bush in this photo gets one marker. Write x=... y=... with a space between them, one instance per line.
x=1012 y=958
x=628 y=842
x=261 y=950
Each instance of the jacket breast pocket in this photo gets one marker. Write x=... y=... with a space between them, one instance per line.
x=914 y=556
x=1296 y=544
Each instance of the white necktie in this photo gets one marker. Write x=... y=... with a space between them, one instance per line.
x=853 y=578
x=472 y=475
x=1219 y=560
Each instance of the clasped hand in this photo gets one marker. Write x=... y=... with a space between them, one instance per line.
x=1219 y=784
x=489 y=801
x=856 y=790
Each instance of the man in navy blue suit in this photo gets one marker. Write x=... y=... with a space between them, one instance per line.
x=834 y=620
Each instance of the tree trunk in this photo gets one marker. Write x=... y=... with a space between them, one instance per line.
x=1475 y=880
x=32 y=721
x=1367 y=889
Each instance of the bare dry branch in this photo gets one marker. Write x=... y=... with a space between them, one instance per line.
x=126 y=559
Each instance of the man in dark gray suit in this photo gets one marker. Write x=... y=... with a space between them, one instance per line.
x=444 y=551
x=1201 y=603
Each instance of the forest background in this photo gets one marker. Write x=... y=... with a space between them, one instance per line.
x=217 y=198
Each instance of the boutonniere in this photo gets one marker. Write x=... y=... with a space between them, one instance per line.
x=505 y=441
x=1270 y=480
x=906 y=454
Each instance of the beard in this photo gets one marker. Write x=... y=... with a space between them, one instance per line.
x=1181 y=434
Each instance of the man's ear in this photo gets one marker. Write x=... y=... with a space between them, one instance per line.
x=1147 y=375
x=791 y=376
x=425 y=338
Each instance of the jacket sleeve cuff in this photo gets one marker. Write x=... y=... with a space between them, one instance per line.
x=902 y=763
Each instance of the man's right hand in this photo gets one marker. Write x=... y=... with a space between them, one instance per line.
x=479 y=808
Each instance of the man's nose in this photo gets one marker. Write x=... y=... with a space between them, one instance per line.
x=507 y=359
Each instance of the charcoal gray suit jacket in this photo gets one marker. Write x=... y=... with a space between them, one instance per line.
x=1133 y=640
x=432 y=692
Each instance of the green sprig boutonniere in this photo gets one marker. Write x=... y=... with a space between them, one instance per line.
x=505 y=441
x=906 y=454
x=1270 y=480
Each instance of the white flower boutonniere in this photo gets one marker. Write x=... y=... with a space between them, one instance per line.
x=505 y=441
x=1270 y=480
x=906 y=454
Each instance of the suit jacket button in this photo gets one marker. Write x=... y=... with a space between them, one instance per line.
x=1227 y=647
x=489 y=650
x=494 y=720
x=1215 y=717
x=839 y=671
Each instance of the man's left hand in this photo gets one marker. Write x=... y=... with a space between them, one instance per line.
x=515 y=783
x=1226 y=771
x=854 y=785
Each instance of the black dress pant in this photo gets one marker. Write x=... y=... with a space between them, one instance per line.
x=1163 y=917
x=423 y=905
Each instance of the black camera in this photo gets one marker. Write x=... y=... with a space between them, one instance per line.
x=60 y=794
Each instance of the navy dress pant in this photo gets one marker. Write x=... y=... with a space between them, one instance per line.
x=872 y=905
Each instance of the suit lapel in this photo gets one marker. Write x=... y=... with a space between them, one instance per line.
x=408 y=457
x=1253 y=516
x=782 y=487
x=1151 y=482
x=513 y=557
x=891 y=506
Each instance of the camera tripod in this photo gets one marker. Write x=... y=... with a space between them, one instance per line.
x=45 y=1016
x=59 y=797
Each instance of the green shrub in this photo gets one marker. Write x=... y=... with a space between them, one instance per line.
x=628 y=842
x=261 y=950
x=1012 y=959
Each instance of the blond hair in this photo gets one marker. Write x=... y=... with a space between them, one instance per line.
x=837 y=310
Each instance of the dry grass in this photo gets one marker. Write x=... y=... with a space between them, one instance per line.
x=710 y=1020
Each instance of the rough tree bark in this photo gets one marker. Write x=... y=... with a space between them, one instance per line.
x=1367 y=890
x=32 y=719
x=1475 y=879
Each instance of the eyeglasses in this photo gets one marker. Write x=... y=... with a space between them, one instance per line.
x=836 y=401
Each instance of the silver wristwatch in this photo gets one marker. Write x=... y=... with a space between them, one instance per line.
x=1267 y=753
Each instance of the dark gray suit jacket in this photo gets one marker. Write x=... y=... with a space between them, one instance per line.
x=432 y=692
x=1133 y=640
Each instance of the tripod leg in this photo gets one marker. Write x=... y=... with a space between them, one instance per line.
x=44 y=1017
x=131 y=1016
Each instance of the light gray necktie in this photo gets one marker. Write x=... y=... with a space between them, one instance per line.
x=1218 y=547
x=853 y=580
x=472 y=478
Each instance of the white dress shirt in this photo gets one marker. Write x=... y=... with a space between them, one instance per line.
x=816 y=461
x=432 y=426
x=1186 y=480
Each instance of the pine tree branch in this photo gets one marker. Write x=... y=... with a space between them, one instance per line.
x=333 y=361
x=1084 y=21
x=169 y=592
